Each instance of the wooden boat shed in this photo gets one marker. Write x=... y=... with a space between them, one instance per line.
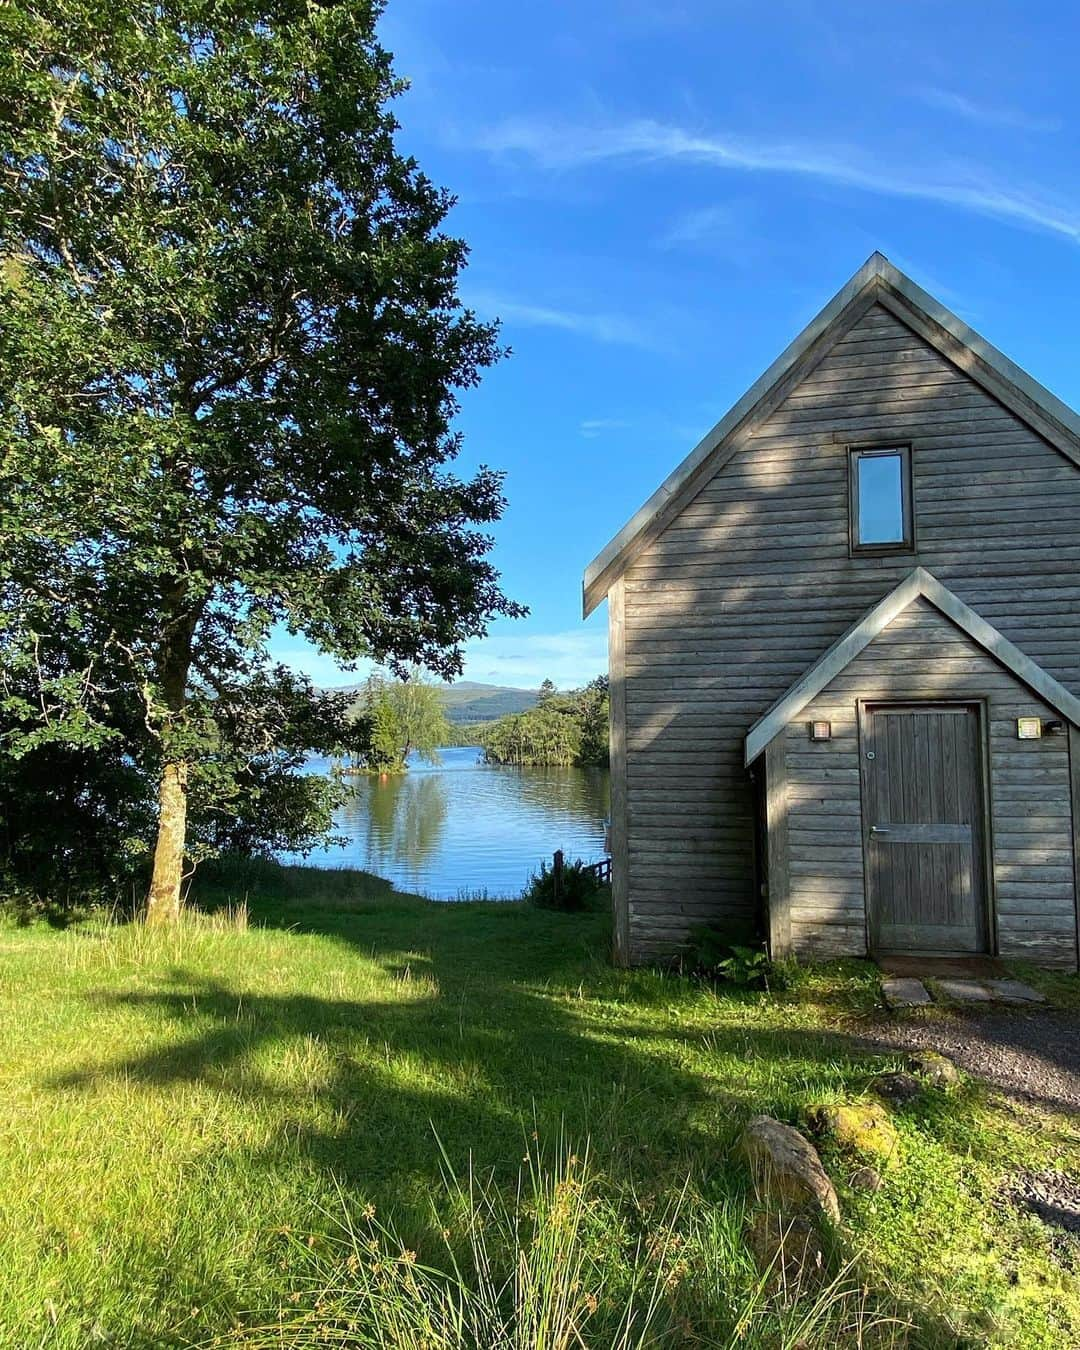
x=845 y=655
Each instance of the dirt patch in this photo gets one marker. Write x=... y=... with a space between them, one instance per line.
x=1051 y=1196
x=1032 y=1054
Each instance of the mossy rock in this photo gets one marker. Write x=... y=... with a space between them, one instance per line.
x=897 y=1089
x=788 y=1176
x=937 y=1069
x=788 y=1252
x=863 y=1129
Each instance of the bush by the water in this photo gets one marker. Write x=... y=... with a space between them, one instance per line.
x=574 y=888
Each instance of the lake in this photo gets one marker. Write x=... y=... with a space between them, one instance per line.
x=465 y=829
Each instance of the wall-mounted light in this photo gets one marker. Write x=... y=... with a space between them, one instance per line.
x=1029 y=728
x=820 y=731
x=1054 y=728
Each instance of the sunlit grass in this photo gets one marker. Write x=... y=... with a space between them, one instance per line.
x=207 y=1129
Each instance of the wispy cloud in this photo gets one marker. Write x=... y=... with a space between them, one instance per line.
x=520 y=659
x=525 y=659
x=703 y=224
x=597 y=426
x=610 y=328
x=967 y=187
x=986 y=114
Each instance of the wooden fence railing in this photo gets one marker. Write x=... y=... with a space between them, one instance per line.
x=600 y=870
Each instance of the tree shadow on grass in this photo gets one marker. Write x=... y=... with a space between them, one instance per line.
x=488 y=1042
x=387 y=1075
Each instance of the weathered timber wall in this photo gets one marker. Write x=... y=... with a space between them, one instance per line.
x=753 y=581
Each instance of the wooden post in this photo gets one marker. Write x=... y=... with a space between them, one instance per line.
x=619 y=850
x=776 y=825
x=556 y=871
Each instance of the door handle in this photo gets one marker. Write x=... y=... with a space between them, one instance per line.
x=880 y=829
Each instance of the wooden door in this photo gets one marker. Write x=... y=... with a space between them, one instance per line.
x=923 y=814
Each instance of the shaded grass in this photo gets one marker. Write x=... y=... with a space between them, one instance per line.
x=204 y=1129
x=1060 y=990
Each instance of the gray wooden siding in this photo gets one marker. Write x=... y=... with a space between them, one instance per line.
x=922 y=656
x=621 y=947
x=753 y=581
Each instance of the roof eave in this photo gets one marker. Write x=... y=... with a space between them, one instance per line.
x=875 y=266
x=612 y=559
x=918 y=583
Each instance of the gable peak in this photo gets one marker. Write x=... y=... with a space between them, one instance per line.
x=1049 y=416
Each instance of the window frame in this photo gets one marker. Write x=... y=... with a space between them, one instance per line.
x=907 y=498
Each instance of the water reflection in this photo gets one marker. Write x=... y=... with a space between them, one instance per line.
x=402 y=816
x=461 y=827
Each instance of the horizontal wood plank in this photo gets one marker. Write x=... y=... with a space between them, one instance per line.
x=752 y=582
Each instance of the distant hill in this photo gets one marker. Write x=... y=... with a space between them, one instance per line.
x=469 y=701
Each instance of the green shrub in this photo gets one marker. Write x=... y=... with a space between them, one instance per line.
x=576 y=889
x=23 y=907
x=715 y=955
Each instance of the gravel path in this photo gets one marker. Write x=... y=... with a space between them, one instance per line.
x=1030 y=1054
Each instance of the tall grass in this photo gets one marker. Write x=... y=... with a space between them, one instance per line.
x=112 y=944
x=536 y=1269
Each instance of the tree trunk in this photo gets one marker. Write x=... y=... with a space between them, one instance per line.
x=163 y=902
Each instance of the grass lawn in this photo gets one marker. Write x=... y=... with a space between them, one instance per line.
x=253 y=1135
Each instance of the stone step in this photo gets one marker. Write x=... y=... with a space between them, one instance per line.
x=904 y=992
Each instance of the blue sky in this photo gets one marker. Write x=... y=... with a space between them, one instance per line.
x=659 y=196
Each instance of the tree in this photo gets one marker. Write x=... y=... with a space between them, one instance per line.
x=568 y=728
x=405 y=716
x=546 y=691
x=420 y=716
x=594 y=714
x=382 y=753
x=231 y=342
x=77 y=803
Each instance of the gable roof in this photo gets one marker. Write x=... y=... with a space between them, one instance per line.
x=917 y=583
x=876 y=282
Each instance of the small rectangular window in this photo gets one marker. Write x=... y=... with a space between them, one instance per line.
x=880 y=499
